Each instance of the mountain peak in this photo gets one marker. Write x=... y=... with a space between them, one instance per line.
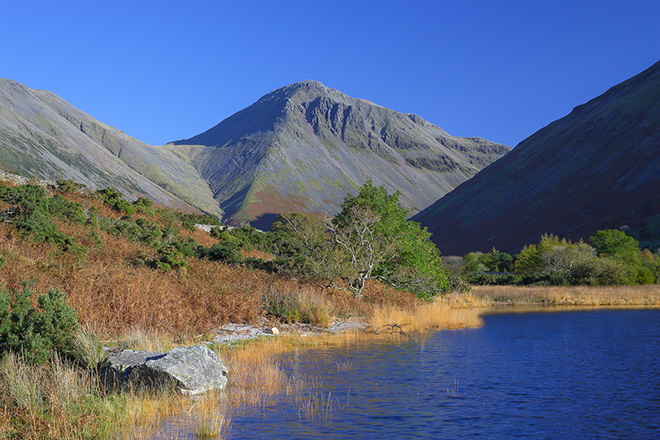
x=306 y=90
x=303 y=146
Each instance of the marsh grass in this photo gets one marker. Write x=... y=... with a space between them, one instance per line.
x=55 y=401
x=316 y=405
x=422 y=317
x=645 y=296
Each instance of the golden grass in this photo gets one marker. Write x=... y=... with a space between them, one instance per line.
x=422 y=317
x=53 y=401
x=647 y=296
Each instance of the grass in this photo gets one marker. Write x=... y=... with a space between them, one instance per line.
x=422 y=317
x=644 y=296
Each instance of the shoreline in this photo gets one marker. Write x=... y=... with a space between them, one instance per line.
x=256 y=376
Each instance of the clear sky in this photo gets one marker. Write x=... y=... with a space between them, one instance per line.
x=167 y=70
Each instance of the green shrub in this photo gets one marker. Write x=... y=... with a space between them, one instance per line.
x=144 y=205
x=113 y=199
x=604 y=272
x=221 y=253
x=69 y=186
x=70 y=212
x=484 y=279
x=36 y=333
x=32 y=213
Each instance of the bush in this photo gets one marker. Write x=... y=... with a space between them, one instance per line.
x=32 y=213
x=292 y=307
x=34 y=333
x=188 y=221
x=113 y=199
x=144 y=205
x=484 y=279
x=220 y=253
x=604 y=272
x=69 y=186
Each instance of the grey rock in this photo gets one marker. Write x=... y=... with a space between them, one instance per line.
x=232 y=333
x=192 y=370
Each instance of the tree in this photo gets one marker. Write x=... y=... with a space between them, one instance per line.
x=307 y=237
x=378 y=242
x=616 y=244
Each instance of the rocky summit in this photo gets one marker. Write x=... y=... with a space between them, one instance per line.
x=304 y=146
x=596 y=168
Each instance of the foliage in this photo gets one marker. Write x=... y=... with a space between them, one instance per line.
x=36 y=333
x=616 y=245
x=173 y=253
x=218 y=252
x=32 y=211
x=493 y=262
x=307 y=248
x=113 y=199
x=144 y=205
x=483 y=279
x=378 y=242
x=188 y=221
x=610 y=258
x=69 y=186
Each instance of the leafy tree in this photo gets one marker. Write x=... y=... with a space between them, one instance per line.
x=616 y=244
x=496 y=261
x=529 y=261
x=564 y=258
x=306 y=240
x=379 y=243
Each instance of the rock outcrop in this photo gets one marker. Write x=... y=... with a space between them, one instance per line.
x=192 y=370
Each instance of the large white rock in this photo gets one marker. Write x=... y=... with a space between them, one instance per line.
x=192 y=370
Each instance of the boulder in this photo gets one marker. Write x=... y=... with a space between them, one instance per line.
x=192 y=370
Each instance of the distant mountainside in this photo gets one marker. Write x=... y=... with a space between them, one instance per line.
x=299 y=148
x=303 y=146
x=598 y=167
x=43 y=136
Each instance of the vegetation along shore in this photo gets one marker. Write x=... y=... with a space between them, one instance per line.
x=82 y=270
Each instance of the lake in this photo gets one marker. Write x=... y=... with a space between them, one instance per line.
x=543 y=375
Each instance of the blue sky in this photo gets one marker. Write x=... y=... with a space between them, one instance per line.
x=167 y=70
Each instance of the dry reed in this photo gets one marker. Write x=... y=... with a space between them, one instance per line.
x=648 y=295
x=422 y=317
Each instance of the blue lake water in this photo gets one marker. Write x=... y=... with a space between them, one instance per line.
x=547 y=375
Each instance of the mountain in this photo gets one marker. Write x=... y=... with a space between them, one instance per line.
x=43 y=136
x=598 y=167
x=303 y=146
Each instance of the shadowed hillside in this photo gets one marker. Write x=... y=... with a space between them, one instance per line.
x=596 y=168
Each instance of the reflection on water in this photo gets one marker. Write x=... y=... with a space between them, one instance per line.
x=567 y=375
